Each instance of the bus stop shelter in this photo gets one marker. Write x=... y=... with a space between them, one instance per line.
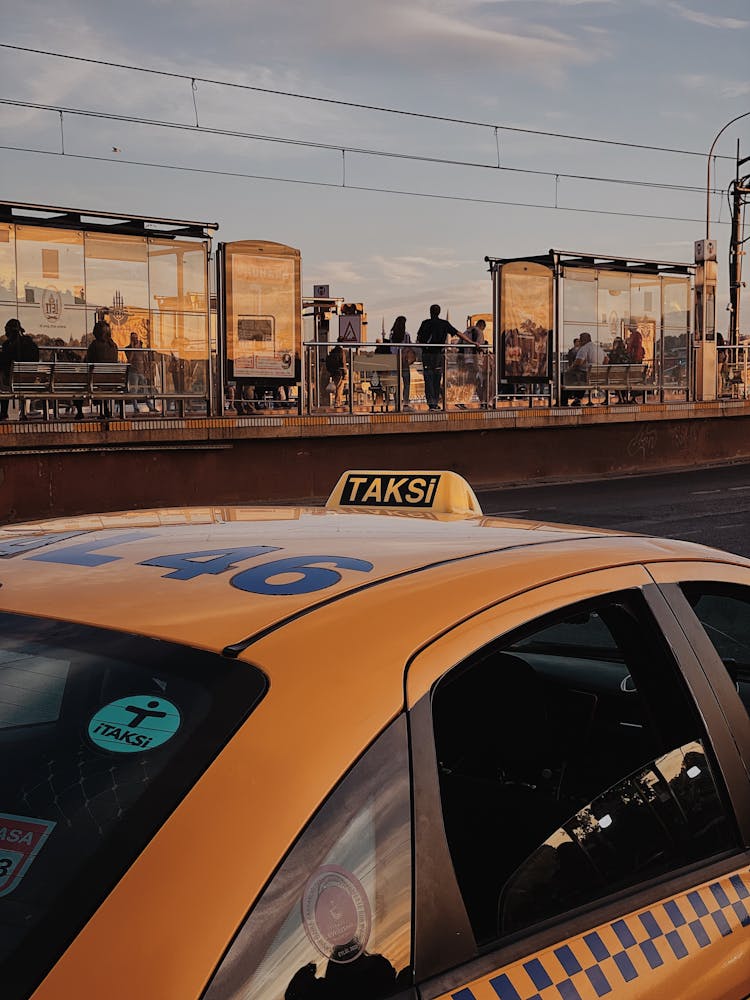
x=542 y=304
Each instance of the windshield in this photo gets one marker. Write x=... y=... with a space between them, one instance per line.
x=101 y=735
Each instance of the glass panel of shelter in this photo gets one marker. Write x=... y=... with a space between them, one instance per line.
x=49 y=283
x=7 y=265
x=526 y=326
x=676 y=313
x=177 y=276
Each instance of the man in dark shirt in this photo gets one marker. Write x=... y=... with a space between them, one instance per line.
x=434 y=331
x=16 y=347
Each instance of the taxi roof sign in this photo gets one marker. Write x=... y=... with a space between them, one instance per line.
x=434 y=492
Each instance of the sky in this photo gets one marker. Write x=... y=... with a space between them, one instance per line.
x=656 y=72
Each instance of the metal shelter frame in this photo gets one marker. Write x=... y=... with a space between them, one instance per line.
x=556 y=261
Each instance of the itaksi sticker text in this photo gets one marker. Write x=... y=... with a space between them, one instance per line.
x=134 y=725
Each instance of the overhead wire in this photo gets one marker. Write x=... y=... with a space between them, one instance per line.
x=349 y=187
x=338 y=147
x=193 y=79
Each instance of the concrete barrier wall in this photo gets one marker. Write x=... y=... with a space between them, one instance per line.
x=126 y=467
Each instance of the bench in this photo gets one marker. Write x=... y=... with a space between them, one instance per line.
x=381 y=370
x=53 y=382
x=612 y=378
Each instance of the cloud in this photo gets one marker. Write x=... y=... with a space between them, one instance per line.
x=338 y=273
x=405 y=270
x=707 y=20
x=725 y=88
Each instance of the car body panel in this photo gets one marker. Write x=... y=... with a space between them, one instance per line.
x=338 y=670
x=100 y=576
x=693 y=945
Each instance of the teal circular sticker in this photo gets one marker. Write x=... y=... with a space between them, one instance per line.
x=132 y=725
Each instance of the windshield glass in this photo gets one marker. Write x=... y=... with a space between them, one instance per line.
x=101 y=735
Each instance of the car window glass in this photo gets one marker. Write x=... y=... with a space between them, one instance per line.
x=335 y=920
x=724 y=613
x=101 y=735
x=530 y=734
x=665 y=814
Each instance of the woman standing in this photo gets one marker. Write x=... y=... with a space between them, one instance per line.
x=406 y=357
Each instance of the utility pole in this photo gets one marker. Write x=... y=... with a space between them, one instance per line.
x=704 y=336
x=739 y=190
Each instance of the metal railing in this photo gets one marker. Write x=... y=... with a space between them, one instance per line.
x=732 y=371
x=399 y=377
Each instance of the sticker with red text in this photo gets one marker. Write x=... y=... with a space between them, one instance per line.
x=21 y=839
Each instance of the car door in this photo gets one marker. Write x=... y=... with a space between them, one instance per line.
x=580 y=805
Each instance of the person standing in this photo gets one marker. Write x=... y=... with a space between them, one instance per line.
x=406 y=358
x=434 y=331
x=16 y=347
x=101 y=349
x=137 y=372
x=471 y=359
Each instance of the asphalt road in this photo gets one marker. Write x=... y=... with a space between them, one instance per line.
x=706 y=505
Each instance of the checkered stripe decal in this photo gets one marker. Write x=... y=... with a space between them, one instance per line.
x=599 y=962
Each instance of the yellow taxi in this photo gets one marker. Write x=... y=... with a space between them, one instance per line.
x=385 y=748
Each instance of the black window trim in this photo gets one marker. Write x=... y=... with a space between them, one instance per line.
x=442 y=932
x=711 y=674
x=712 y=691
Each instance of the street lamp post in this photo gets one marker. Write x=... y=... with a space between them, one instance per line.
x=719 y=134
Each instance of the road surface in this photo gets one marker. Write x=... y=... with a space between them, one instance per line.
x=707 y=505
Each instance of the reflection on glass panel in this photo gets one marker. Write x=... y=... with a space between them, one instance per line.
x=116 y=274
x=50 y=282
x=675 y=357
x=7 y=311
x=67 y=330
x=526 y=320
x=179 y=345
x=676 y=299
x=659 y=819
x=724 y=612
x=645 y=298
x=7 y=264
x=177 y=275
x=613 y=307
x=579 y=296
x=183 y=334
x=124 y=323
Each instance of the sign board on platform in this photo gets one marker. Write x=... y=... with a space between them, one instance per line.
x=350 y=329
x=321 y=291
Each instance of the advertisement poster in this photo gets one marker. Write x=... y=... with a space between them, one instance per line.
x=263 y=309
x=526 y=322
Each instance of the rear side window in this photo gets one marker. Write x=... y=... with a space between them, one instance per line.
x=101 y=735
x=335 y=920
x=724 y=613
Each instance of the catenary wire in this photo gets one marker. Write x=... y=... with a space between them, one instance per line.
x=337 y=147
x=348 y=187
x=192 y=78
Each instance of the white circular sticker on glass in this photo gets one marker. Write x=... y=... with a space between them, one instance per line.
x=336 y=914
x=132 y=725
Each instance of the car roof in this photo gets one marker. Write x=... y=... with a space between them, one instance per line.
x=113 y=570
